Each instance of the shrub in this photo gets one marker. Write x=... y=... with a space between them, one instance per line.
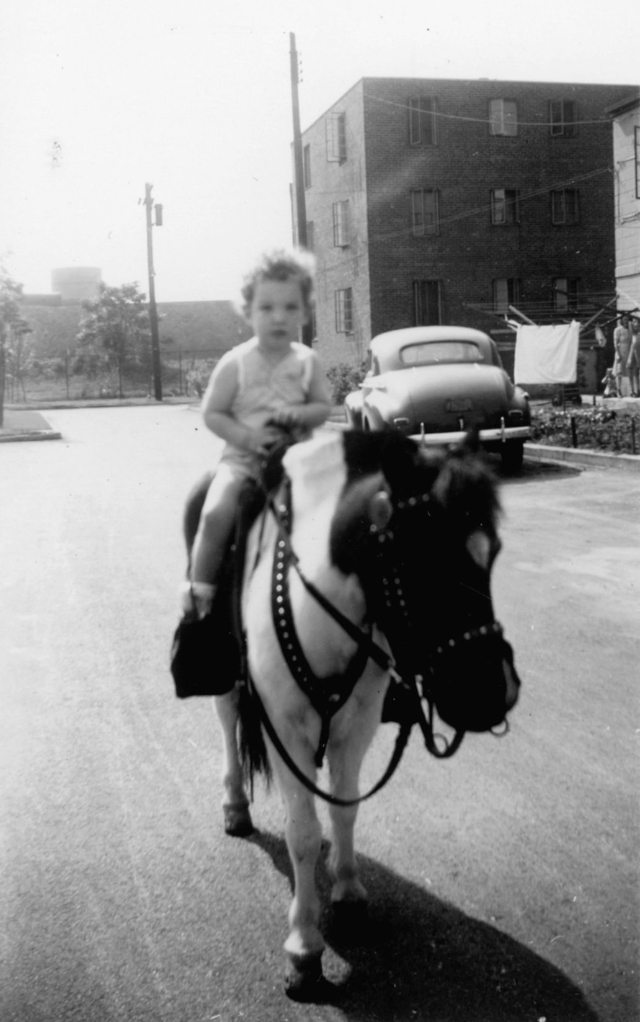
x=600 y=429
x=344 y=378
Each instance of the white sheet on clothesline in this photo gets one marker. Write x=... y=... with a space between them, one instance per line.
x=547 y=354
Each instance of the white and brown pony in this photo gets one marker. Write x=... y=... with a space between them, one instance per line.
x=373 y=561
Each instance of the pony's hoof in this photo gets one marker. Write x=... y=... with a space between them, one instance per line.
x=237 y=819
x=304 y=980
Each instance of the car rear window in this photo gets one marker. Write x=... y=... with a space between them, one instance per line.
x=441 y=351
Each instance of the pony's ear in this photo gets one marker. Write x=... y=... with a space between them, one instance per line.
x=470 y=443
x=380 y=509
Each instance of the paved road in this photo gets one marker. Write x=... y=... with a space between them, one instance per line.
x=504 y=882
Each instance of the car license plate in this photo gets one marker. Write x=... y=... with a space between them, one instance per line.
x=458 y=404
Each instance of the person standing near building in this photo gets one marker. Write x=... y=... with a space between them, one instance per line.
x=633 y=360
x=622 y=347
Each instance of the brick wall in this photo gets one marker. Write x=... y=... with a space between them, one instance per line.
x=340 y=268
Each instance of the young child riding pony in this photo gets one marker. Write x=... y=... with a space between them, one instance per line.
x=271 y=377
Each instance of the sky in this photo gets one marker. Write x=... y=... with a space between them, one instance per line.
x=194 y=97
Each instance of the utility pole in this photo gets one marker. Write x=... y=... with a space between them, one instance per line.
x=153 y=312
x=301 y=211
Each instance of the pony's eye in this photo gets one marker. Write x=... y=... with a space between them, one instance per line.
x=481 y=549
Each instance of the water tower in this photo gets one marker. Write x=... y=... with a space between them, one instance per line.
x=76 y=283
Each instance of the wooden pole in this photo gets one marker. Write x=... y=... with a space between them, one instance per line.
x=298 y=166
x=153 y=312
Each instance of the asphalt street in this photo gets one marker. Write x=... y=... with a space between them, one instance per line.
x=504 y=883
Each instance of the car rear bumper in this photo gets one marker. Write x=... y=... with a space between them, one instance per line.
x=498 y=435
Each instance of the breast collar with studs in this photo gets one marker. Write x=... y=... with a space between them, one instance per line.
x=326 y=695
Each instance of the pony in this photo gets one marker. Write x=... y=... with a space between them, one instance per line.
x=366 y=589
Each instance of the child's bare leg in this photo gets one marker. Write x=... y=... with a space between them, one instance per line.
x=212 y=539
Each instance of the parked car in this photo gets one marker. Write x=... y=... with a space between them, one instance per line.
x=433 y=383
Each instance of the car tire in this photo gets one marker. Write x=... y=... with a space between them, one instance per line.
x=512 y=456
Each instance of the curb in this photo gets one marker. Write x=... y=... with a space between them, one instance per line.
x=39 y=434
x=581 y=458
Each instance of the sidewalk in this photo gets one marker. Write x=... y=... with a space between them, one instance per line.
x=28 y=424
x=25 y=424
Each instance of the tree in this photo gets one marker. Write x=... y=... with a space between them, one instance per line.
x=13 y=327
x=116 y=329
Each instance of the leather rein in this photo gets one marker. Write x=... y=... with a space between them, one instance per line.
x=328 y=695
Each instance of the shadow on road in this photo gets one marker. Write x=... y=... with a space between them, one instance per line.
x=417 y=958
x=534 y=471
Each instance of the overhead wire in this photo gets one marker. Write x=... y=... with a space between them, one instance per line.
x=483 y=120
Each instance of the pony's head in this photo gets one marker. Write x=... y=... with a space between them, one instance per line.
x=419 y=528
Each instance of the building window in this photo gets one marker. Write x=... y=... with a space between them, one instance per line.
x=565 y=293
x=504 y=206
x=503 y=117
x=344 y=311
x=427 y=306
x=424 y=212
x=506 y=292
x=637 y=155
x=341 y=224
x=564 y=206
x=306 y=166
x=562 y=117
x=336 y=138
x=422 y=120
x=311 y=241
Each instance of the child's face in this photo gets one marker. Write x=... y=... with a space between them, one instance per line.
x=277 y=312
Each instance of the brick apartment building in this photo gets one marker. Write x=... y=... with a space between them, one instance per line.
x=433 y=200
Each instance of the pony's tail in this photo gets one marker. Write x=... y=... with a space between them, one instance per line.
x=253 y=751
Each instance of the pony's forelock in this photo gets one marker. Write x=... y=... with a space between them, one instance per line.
x=466 y=491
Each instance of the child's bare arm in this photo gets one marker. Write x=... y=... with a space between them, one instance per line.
x=317 y=407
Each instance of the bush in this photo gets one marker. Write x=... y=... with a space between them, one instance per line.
x=599 y=429
x=344 y=378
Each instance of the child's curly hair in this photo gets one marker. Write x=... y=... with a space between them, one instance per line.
x=281 y=264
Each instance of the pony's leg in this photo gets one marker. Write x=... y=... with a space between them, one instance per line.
x=345 y=754
x=303 y=833
x=235 y=804
x=347 y=890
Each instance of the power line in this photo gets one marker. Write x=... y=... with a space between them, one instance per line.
x=483 y=120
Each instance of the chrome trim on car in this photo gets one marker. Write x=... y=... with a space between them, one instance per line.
x=501 y=434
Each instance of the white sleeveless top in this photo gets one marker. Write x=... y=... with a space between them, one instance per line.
x=264 y=389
